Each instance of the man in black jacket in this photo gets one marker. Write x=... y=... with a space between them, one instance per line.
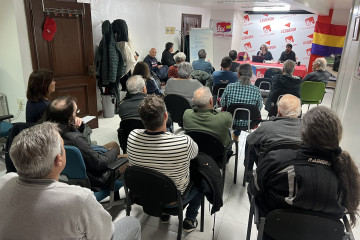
x=63 y=111
x=167 y=57
x=288 y=54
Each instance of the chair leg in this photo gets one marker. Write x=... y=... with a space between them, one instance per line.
x=180 y=228
x=202 y=214
x=308 y=107
x=236 y=160
x=261 y=229
x=251 y=213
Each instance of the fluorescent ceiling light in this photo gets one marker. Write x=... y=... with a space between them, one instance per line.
x=272 y=9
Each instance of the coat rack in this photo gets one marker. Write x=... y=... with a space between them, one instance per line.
x=64 y=11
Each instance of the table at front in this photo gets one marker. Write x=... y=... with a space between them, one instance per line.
x=262 y=67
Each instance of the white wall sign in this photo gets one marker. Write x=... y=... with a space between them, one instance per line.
x=201 y=38
x=222 y=28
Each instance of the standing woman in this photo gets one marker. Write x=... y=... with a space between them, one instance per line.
x=40 y=85
x=264 y=52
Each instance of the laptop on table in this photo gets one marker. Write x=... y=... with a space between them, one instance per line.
x=258 y=59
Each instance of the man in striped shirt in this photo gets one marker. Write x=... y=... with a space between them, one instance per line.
x=170 y=154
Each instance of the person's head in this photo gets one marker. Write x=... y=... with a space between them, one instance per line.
x=319 y=64
x=233 y=55
x=169 y=46
x=226 y=63
x=184 y=70
x=142 y=69
x=289 y=67
x=152 y=111
x=321 y=129
x=152 y=52
x=180 y=57
x=61 y=110
x=289 y=106
x=136 y=84
x=38 y=152
x=288 y=47
x=202 y=54
x=40 y=85
x=263 y=47
x=203 y=98
x=245 y=70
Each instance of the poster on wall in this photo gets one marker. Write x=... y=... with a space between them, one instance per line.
x=222 y=28
x=277 y=30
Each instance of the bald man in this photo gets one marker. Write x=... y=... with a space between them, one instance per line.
x=285 y=127
x=151 y=60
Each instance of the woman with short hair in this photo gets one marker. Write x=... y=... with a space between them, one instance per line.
x=264 y=52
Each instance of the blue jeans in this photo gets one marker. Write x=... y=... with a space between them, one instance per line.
x=194 y=198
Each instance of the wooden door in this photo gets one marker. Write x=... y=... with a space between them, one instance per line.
x=70 y=55
x=188 y=21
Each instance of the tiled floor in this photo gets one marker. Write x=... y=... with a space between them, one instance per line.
x=231 y=220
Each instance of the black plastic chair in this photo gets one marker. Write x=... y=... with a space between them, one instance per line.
x=126 y=126
x=176 y=106
x=269 y=73
x=276 y=97
x=264 y=84
x=4 y=133
x=298 y=224
x=217 y=92
x=210 y=144
x=153 y=190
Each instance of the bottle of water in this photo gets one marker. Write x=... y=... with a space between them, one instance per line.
x=245 y=57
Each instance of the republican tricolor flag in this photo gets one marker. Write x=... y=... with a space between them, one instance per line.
x=328 y=39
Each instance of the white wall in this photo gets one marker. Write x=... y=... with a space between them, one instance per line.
x=346 y=97
x=15 y=62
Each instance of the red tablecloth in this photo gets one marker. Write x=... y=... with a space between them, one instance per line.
x=262 y=67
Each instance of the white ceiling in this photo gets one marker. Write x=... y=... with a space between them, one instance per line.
x=315 y=6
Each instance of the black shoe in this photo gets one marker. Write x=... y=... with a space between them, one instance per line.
x=165 y=218
x=189 y=225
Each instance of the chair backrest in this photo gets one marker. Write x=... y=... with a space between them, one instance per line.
x=312 y=91
x=269 y=73
x=74 y=172
x=260 y=83
x=126 y=126
x=296 y=224
x=150 y=189
x=243 y=115
x=176 y=106
x=215 y=89
x=241 y=55
x=209 y=143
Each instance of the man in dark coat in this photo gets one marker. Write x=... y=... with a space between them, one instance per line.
x=167 y=57
x=319 y=74
x=288 y=54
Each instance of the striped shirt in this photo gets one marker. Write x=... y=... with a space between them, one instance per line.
x=166 y=152
x=237 y=93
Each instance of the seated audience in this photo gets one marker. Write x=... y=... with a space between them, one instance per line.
x=285 y=82
x=285 y=127
x=201 y=63
x=179 y=58
x=183 y=85
x=242 y=92
x=142 y=69
x=204 y=117
x=225 y=76
x=63 y=112
x=167 y=57
x=288 y=54
x=137 y=92
x=35 y=205
x=319 y=176
x=265 y=52
x=40 y=85
x=152 y=62
x=146 y=147
x=234 y=63
x=319 y=74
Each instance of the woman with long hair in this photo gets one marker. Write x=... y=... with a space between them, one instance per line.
x=40 y=85
x=142 y=69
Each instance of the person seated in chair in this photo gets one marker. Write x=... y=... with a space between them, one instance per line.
x=319 y=176
x=225 y=76
x=242 y=92
x=205 y=118
x=286 y=82
x=179 y=58
x=137 y=92
x=147 y=148
x=234 y=63
x=35 y=205
x=201 y=63
x=63 y=112
x=284 y=127
x=319 y=74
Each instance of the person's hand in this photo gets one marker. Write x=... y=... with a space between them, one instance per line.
x=77 y=122
x=160 y=66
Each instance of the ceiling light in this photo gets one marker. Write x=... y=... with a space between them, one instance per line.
x=272 y=9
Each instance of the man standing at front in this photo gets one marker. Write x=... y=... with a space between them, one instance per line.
x=147 y=147
x=34 y=205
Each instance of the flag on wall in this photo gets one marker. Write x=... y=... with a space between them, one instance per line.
x=328 y=39
x=221 y=28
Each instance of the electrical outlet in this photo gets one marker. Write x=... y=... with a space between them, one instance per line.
x=21 y=103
